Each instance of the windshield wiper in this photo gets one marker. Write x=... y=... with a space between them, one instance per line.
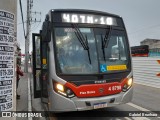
x=82 y=40
x=104 y=57
x=80 y=37
x=105 y=41
x=119 y=47
x=107 y=37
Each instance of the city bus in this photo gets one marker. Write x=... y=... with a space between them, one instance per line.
x=140 y=51
x=82 y=61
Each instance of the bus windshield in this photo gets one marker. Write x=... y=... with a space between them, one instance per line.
x=90 y=50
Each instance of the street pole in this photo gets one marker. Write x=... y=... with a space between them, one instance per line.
x=27 y=37
x=8 y=35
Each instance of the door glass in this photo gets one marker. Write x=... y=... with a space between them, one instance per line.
x=37 y=48
x=38 y=61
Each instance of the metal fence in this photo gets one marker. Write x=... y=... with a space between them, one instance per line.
x=146 y=71
x=154 y=52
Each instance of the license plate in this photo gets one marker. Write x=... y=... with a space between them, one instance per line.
x=100 y=105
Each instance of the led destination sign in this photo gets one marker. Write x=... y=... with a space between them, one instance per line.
x=88 y=18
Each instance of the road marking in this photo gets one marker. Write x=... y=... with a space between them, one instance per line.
x=140 y=118
x=137 y=118
x=148 y=85
x=138 y=107
x=127 y=118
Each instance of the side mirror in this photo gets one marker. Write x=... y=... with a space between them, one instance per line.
x=46 y=31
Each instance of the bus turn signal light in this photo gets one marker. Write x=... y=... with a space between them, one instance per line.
x=127 y=85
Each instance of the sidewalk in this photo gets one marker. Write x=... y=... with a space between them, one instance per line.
x=24 y=104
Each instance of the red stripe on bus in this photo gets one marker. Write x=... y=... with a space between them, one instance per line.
x=97 y=90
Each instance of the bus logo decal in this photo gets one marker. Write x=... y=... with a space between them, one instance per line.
x=101 y=90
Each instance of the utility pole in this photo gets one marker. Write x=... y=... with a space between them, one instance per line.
x=8 y=36
x=28 y=27
x=27 y=37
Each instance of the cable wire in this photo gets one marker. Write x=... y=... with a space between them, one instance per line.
x=22 y=16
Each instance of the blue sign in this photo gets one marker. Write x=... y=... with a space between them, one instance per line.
x=103 y=67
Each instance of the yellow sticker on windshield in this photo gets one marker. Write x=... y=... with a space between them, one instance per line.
x=44 y=61
x=117 y=67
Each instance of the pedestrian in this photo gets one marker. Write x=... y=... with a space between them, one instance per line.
x=19 y=73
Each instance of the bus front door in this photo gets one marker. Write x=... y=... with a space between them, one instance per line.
x=40 y=68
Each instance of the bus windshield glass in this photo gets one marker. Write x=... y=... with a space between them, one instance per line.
x=90 y=50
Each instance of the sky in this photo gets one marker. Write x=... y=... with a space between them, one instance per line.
x=141 y=17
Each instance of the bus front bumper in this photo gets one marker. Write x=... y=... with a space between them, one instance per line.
x=62 y=104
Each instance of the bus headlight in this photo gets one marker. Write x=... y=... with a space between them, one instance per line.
x=60 y=87
x=63 y=90
x=127 y=85
x=130 y=81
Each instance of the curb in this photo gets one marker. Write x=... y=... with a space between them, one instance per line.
x=29 y=97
